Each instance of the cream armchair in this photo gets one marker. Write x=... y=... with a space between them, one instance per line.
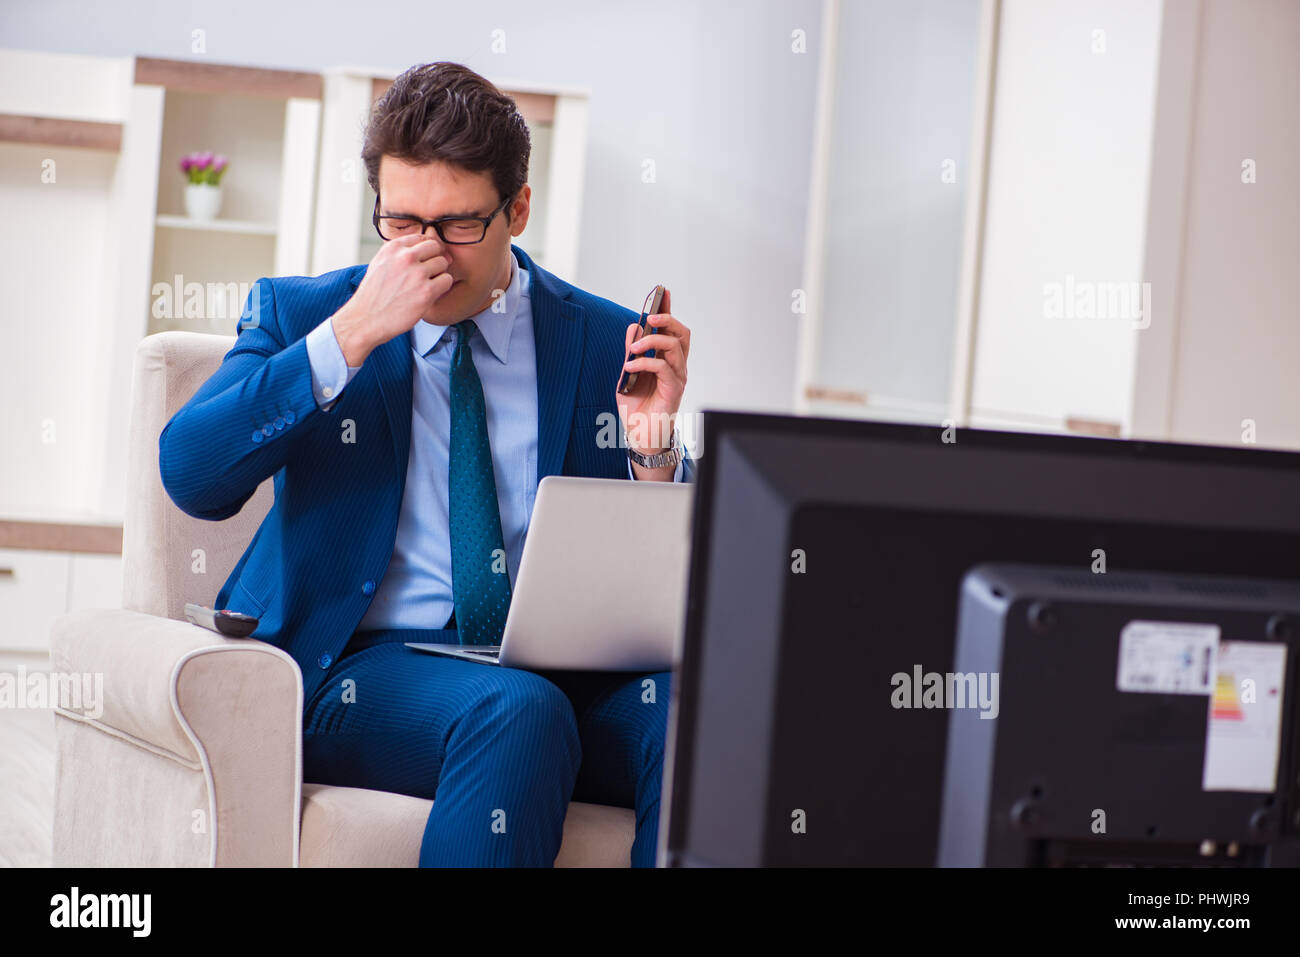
x=193 y=756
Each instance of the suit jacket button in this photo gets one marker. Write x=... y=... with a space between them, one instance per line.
x=267 y=430
x=290 y=417
x=278 y=423
x=325 y=660
x=368 y=588
x=257 y=436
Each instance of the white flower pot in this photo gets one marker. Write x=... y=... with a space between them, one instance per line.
x=202 y=200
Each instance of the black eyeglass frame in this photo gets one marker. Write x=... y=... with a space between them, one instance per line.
x=437 y=223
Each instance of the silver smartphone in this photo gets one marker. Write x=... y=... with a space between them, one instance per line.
x=627 y=380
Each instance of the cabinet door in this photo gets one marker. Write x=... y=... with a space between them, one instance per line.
x=1062 y=297
x=33 y=592
x=890 y=180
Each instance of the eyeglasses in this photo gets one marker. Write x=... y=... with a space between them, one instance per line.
x=454 y=230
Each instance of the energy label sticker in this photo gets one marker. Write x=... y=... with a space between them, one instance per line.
x=1244 y=729
x=1167 y=657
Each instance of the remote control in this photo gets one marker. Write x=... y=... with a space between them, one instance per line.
x=232 y=624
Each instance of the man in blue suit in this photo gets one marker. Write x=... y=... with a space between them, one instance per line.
x=407 y=410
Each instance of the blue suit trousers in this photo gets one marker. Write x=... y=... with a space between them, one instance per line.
x=500 y=751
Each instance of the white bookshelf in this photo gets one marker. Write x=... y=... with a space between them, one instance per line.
x=264 y=224
x=248 y=227
x=295 y=202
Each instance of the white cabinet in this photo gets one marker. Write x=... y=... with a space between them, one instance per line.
x=33 y=592
x=36 y=587
x=1124 y=258
x=1061 y=303
x=892 y=171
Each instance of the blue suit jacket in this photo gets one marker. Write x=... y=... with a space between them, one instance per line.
x=320 y=553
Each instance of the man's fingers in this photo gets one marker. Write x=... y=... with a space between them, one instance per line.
x=672 y=326
x=657 y=341
x=661 y=368
x=438 y=287
x=428 y=248
x=416 y=249
x=669 y=347
x=435 y=266
x=670 y=352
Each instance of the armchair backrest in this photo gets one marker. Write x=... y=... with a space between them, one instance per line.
x=169 y=558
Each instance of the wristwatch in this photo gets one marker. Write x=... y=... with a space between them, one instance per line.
x=671 y=456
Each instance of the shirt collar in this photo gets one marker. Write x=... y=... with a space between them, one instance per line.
x=495 y=326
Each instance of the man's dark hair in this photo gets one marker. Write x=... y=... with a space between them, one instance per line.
x=446 y=111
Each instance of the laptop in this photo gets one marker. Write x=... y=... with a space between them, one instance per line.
x=601 y=584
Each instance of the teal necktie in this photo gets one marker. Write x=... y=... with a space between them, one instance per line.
x=480 y=582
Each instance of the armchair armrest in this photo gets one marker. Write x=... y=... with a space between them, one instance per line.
x=187 y=750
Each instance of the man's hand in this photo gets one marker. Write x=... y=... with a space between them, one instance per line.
x=649 y=412
x=406 y=277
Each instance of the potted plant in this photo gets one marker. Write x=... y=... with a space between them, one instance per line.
x=203 y=190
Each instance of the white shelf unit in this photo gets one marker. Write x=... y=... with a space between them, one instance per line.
x=89 y=215
x=74 y=158
x=202 y=271
x=93 y=144
x=167 y=221
x=295 y=202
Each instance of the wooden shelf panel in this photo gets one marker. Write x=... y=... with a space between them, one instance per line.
x=61 y=536
x=55 y=131
x=225 y=78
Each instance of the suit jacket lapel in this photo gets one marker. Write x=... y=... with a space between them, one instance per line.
x=395 y=369
x=558 y=325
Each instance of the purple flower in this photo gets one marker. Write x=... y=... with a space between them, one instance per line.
x=205 y=167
